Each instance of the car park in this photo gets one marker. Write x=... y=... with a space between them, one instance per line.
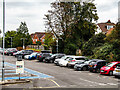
x=95 y=65
x=83 y=66
x=53 y=57
x=116 y=71
x=31 y=56
x=41 y=57
x=109 y=68
x=76 y=59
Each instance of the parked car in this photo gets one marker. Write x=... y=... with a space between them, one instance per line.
x=76 y=59
x=14 y=54
x=95 y=65
x=83 y=66
x=109 y=68
x=41 y=57
x=25 y=52
x=116 y=71
x=10 y=52
x=56 y=62
x=53 y=57
x=31 y=56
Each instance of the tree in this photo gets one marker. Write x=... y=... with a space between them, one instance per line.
x=21 y=32
x=72 y=22
x=38 y=43
x=49 y=41
x=92 y=43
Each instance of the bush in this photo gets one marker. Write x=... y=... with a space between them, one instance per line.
x=92 y=43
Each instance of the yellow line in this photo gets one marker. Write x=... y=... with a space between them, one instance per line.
x=54 y=82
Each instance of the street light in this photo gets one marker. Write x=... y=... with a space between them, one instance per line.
x=3 y=39
x=23 y=42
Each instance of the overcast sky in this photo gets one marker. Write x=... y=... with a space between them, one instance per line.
x=32 y=12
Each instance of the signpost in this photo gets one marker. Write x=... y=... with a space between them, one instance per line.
x=19 y=65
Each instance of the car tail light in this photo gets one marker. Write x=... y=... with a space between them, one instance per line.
x=95 y=65
x=39 y=56
x=72 y=60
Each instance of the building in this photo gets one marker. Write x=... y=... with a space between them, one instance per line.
x=104 y=27
x=38 y=36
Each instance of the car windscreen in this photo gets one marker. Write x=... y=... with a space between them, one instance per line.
x=80 y=58
x=110 y=64
x=93 y=62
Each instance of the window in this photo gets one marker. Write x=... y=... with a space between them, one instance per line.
x=109 y=27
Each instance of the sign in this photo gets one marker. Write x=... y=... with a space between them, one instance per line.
x=19 y=67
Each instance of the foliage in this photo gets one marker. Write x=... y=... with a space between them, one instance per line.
x=95 y=41
x=111 y=49
x=38 y=43
x=72 y=21
x=49 y=41
x=17 y=36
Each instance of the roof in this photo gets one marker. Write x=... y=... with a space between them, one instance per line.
x=103 y=26
x=39 y=34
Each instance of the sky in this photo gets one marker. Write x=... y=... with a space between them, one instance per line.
x=33 y=11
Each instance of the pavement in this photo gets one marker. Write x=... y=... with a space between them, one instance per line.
x=52 y=76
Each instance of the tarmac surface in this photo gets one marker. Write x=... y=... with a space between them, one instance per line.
x=53 y=76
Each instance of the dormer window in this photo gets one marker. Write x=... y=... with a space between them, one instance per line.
x=109 y=27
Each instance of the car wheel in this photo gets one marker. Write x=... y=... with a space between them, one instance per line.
x=51 y=61
x=110 y=73
x=84 y=68
x=98 y=70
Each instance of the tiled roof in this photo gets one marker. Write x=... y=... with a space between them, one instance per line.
x=39 y=34
x=103 y=26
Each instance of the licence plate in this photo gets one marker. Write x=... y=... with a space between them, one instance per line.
x=117 y=70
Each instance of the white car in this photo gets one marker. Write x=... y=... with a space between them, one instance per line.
x=116 y=72
x=64 y=62
x=76 y=59
x=31 y=56
x=63 y=58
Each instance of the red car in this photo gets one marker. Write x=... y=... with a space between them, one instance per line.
x=109 y=68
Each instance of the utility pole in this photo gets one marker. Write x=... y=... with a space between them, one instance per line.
x=11 y=41
x=3 y=39
x=57 y=44
x=23 y=42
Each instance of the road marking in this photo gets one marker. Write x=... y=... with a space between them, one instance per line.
x=37 y=74
x=54 y=82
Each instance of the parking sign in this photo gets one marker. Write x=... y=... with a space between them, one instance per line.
x=19 y=67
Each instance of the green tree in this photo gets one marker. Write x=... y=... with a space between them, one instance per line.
x=92 y=43
x=72 y=22
x=38 y=43
x=49 y=41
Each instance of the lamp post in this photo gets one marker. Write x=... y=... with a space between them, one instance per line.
x=23 y=42
x=3 y=39
x=57 y=44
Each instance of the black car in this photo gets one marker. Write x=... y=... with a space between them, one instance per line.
x=41 y=57
x=95 y=65
x=25 y=52
x=52 y=58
